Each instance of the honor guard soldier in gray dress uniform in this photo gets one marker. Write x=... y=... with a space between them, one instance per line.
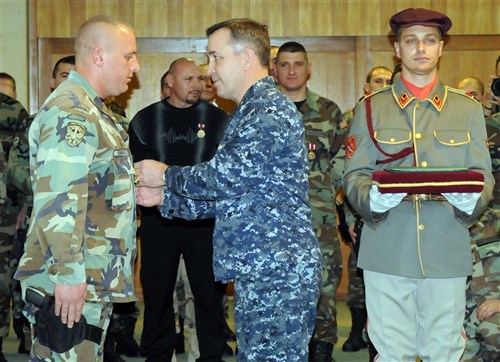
x=416 y=255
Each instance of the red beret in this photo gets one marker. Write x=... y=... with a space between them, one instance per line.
x=424 y=17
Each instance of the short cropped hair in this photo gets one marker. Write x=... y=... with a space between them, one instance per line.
x=70 y=59
x=87 y=34
x=292 y=47
x=370 y=74
x=6 y=76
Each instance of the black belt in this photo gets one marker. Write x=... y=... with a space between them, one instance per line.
x=424 y=197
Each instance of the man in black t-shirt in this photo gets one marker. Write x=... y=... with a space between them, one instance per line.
x=179 y=130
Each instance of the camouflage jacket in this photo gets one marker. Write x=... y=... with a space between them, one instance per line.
x=19 y=162
x=325 y=135
x=493 y=131
x=3 y=183
x=485 y=282
x=255 y=185
x=83 y=223
x=12 y=125
x=12 y=121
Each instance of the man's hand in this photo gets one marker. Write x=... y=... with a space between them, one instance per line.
x=488 y=308
x=20 y=217
x=352 y=233
x=149 y=173
x=69 y=302
x=148 y=196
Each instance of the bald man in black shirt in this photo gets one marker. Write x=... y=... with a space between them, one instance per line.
x=178 y=130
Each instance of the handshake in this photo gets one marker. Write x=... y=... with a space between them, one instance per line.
x=149 y=182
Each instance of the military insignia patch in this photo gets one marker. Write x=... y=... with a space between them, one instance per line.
x=350 y=146
x=438 y=102
x=343 y=124
x=74 y=134
x=403 y=99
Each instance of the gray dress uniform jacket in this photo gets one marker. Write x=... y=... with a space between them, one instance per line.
x=445 y=129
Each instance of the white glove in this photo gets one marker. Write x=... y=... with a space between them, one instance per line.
x=382 y=202
x=465 y=202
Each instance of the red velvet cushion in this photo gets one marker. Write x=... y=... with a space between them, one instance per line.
x=428 y=182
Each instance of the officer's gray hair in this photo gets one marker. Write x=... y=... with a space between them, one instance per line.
x=246 y=33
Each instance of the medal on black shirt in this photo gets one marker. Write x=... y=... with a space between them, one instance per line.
x=311 y=155
x=201 y=132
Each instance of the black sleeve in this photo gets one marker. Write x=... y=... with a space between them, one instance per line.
x=138 y=148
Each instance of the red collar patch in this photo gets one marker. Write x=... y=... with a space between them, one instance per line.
x=403 y=99
x=437 y=101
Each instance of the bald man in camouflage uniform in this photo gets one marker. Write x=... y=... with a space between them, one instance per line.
x=12 y=116
x=81 y=244
x=483 y=333
x=325 y=136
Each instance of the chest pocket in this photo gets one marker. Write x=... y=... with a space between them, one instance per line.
x=452 y=138
x=119 y=190
x=392 y=136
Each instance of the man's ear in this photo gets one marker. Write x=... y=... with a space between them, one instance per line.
x=248 y=57
x=170 y=80
x=366 y=88
x=396 y=48
x=97 y=56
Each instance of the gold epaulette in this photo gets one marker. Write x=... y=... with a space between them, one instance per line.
x=461 y=92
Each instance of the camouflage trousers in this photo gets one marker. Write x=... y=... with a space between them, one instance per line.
x=7 y=269
x=275 y=310
x=356 y=286
x=483 y=342
x=97 y=314
x=325 y=328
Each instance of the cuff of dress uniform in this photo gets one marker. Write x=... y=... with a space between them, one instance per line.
x=68 y=273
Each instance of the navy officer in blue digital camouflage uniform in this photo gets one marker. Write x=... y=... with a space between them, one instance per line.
x=256 y=186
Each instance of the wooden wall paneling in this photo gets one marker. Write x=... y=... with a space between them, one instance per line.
x=183 y=18
x=49 y=52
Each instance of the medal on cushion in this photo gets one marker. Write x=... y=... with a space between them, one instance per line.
x=201 y=132
x=311 y=155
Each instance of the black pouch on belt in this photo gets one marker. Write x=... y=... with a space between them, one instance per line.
x=51 y=331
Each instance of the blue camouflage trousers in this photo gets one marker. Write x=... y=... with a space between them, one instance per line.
x=275 y=311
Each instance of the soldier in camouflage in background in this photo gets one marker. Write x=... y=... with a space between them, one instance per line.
x=482 y=317
x=12 y=117
x=19 y=175
x=325 y=135
x=3 y=183
x=81 y=244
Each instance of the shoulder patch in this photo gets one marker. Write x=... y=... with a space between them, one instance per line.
x=74 y=134
x=350 y=146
